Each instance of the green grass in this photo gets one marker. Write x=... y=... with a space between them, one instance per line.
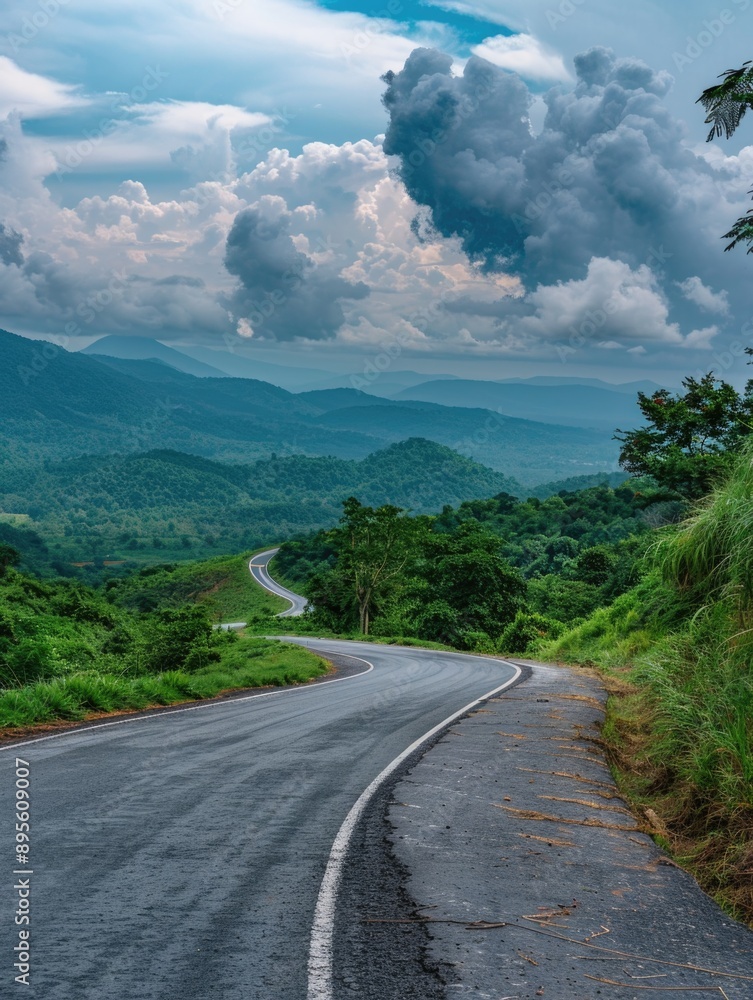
x=247 y=662
x=223 y=585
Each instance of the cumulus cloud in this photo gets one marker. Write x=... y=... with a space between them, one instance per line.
x=608 y=179
x=283 y=292
x=525 y=55
x=474 y=235
x=704 y=297
x=613 y=301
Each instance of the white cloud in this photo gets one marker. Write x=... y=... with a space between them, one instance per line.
x=613 y=303
x=193 y=135
x=525 y=55
x=34 y=96
x=704 y=297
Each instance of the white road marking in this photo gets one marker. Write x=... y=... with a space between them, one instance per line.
x=265 y=580
x=197 y=708
x=322 y=930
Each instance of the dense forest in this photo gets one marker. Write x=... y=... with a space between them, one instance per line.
x=549 y=564
x=147 y=507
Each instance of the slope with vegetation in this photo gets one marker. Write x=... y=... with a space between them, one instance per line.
x=68 y=652
x=167 y=506
x=681 y=726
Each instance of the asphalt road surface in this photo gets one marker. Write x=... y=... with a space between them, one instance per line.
x=189 y=853
x=260 y=572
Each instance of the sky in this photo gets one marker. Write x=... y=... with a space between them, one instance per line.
x=483 y=187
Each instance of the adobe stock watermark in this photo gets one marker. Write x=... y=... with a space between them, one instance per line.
x=711 y=29
x=735 y=350
x=34 y=22
x=222 y=8
x=563 y=12
x=76 y=153
x=378 y=22
x=22 y=873
x=259 y=142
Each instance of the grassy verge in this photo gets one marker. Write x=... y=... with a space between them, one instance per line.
x=679 y=728
x=247 y=662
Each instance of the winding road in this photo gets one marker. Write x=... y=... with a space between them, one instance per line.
x=259 y=568
x=197 y=852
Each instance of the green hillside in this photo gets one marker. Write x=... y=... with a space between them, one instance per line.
x=171 y=505
x=680 y=647
x=68 y=652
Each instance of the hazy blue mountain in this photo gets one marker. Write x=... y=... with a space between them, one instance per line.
x=326 y=400
x=144 y=349
x=575 y=405
x=296 y=379
x=530 y=451
x=240 y=365
x=56 y=404
x=375 y=383
x=631 y=388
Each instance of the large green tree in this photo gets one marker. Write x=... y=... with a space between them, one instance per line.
x=466 y=572
x=373 y=546
x=726 y=104
x=688 y=439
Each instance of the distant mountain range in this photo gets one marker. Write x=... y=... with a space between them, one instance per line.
x=575 y=404
x=207 y=362
x=530 y=400
x=56 y=404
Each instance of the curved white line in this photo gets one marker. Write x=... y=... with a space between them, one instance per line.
x=322 y=930
x=206 y=704
x=268 y=583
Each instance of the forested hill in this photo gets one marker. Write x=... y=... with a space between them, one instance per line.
x=116 y=505
x=56 y=405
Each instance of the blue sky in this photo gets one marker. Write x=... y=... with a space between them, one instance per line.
x=143 y=141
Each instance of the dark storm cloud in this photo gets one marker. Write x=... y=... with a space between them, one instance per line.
x=608 y=177
x=283 y=293
x=10 y=244
x=462 y=143
x=598 y=181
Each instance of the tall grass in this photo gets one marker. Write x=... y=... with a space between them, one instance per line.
x=711 y=557
x=681 y=733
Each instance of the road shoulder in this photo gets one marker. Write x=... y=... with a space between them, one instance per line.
x=513 y=818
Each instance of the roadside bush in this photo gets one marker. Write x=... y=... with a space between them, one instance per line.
x=526 y=629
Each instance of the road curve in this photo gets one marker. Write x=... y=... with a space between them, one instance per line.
x=191 y=853
x=258 y=567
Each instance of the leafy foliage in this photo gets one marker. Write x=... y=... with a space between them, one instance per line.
x=384 y=571
x=690 y=438
x=726 y=104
